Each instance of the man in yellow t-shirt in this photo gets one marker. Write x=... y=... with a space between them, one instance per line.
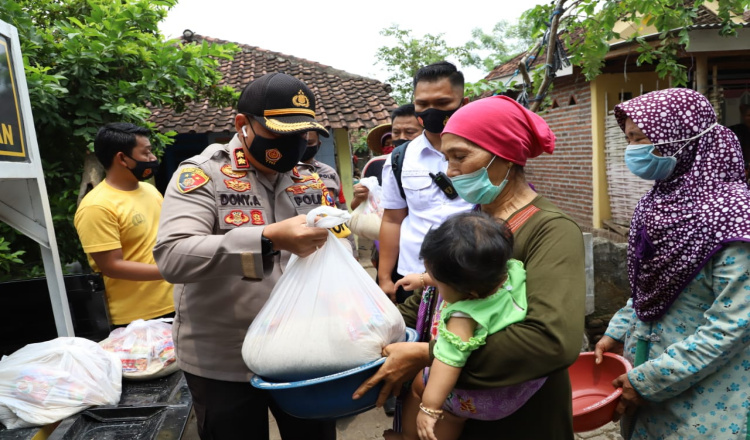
x=117 y=223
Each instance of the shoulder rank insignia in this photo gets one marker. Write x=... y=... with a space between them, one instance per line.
x=228 y=171
x=239 y=158
x=236 y=218
x=190 y=179
x=237 y=185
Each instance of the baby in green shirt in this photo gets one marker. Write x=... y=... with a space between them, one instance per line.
x=483 y=290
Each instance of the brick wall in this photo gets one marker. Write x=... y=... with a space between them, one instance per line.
x=565 y=177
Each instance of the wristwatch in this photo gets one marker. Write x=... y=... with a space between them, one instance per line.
x=266 y=246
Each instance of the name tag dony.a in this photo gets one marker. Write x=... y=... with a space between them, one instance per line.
x=239 y=200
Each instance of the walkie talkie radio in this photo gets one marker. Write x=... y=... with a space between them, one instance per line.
x=445 y=184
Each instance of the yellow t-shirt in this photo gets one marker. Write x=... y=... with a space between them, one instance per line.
x=109 y=219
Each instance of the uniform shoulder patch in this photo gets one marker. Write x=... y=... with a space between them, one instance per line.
x=191 y=178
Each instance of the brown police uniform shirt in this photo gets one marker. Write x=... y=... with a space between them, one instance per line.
x=209 y=245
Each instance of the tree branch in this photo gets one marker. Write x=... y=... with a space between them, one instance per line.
x=551 y=43
x=524 y=60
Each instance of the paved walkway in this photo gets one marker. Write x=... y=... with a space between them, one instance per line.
x=370 y=426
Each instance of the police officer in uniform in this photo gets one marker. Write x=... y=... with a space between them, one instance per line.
x=326 y=172
x=231 y=218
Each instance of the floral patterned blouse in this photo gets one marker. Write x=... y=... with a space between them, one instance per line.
x=697 y=373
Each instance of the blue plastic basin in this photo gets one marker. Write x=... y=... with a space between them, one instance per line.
x=328 y=397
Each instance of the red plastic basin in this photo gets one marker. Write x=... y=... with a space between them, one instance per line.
x=594 y=397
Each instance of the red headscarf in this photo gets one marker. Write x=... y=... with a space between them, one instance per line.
x=503 y=127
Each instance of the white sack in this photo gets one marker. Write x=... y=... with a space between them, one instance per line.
x=49 y=381
x=367 y=216
x=325 y=315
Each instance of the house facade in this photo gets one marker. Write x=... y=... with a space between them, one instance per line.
x=586 y=175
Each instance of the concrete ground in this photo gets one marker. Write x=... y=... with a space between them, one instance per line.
x=371 y=424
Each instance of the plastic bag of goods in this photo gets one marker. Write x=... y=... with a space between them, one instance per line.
x=46 y=382
x=366 y=218
x=145 y=348
x=325 y=315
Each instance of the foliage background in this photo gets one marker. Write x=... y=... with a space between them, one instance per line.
x=87 y=63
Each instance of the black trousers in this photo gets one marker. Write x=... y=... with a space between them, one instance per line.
x=237 y=410
x=401 y=294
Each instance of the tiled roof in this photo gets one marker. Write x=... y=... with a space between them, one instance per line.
x=706 y=16
x=507 y=68
x=343 y=100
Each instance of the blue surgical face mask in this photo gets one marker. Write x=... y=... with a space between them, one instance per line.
x=642 y=161
x=477 y=188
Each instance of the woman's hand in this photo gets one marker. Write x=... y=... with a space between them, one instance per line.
x=389 y=288
x=413 y=281
x=426 y=427
x=606 y=344
x=360 y=195
x=403 y=362
x=630 y=400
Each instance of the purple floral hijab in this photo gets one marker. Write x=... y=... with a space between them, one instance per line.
x=683 y=220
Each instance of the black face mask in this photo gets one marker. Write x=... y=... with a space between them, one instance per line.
x=280 y=154
x=434 y=120
x=398 y=142
x=310 y=152
x=144 y=170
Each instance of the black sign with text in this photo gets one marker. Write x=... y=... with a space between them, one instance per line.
x=12 y=142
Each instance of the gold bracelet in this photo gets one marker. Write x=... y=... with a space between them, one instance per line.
x=436 y=414
x=421 y=279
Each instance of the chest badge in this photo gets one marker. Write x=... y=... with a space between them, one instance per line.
x=191 y=178
x=237 y=185
x=297 y=189
x=229 y=172
x=256 y=217
x=328 y=199
x=236 y=218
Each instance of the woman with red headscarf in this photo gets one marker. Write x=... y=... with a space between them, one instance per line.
x=487 y=144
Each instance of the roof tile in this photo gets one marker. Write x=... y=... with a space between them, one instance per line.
x=343 y=100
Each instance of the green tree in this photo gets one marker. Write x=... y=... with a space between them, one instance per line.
x=485 y=51
x=409 y=54
x=90 y=62
x=504 y=42
x=8 y=259
x=588 y=27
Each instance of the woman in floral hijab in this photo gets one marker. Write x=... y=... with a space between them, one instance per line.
x=686 y=328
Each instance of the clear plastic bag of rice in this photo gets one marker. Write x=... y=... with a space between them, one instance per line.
x=145 y=348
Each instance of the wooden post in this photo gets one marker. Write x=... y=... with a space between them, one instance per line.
x=701 y=74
